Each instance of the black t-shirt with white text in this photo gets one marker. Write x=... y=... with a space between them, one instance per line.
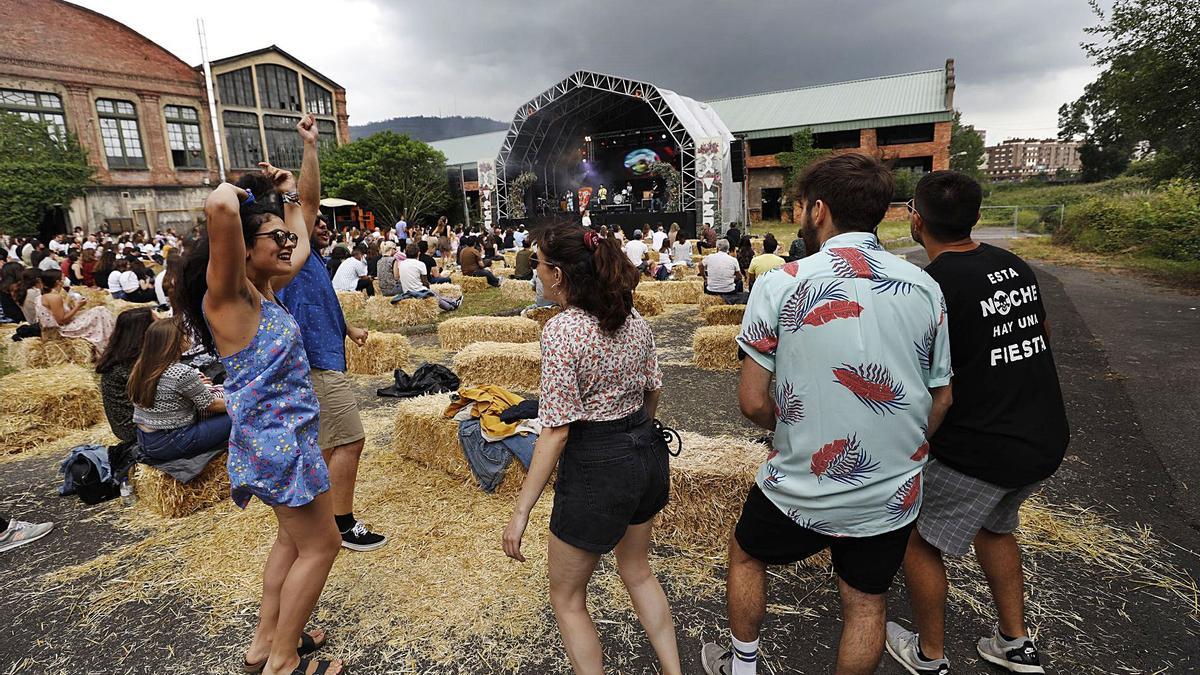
x=1007 y=425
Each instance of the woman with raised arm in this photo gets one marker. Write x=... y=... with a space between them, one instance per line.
x=258 y=239
x=600 y=389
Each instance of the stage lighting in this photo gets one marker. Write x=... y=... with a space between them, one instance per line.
x=664 y=135
x=587 y=139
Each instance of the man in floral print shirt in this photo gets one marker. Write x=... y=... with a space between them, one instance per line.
x=856 y=340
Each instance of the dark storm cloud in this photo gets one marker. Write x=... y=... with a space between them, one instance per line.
x=500 y=54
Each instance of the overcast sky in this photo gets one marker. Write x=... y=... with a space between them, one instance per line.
x=1016 y=61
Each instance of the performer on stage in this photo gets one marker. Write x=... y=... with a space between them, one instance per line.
x=602 y=196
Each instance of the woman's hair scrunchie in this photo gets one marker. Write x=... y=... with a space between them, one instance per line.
x=591 y=240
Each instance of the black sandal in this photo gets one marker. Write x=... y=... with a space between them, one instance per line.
x=308 y=645
x=322 y=667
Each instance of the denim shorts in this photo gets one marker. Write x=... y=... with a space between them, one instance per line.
x=611 y=475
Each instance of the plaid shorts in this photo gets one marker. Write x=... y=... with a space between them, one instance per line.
x=956 y=507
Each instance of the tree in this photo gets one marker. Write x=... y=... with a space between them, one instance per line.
x=1149 y=88
x=801 y=155
x=37 y=171
x=966 y=148
x=390 y=174
x=906 y=184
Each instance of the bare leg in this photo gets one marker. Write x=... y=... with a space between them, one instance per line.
x=317 y=543
x=1000 y=558
x=649 y=601
x=343 y=472
x=925 y=577
x=570 y=570
x=863 y=617
x=279 y=561
x=746 y=591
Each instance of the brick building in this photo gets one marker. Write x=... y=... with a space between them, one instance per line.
x=1019 y=159
x=904 y=119
x=141 y=113
x=260 y=98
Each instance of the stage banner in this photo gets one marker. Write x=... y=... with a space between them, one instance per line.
x=710 y=157
x=487 y=185
x=585 y=198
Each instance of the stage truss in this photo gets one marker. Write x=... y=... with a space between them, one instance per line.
x=539 y=125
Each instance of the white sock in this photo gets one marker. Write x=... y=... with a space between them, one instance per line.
x=745 y=657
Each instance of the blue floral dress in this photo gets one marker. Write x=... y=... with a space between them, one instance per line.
x=273 y=453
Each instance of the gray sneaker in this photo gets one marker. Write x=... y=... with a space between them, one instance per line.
x=904 y=647
x=1016 y=656
x=20 y=533
x=717 y=660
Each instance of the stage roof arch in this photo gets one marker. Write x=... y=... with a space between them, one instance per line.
x=544 y=130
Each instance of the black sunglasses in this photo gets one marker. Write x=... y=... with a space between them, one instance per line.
x=282 y=237
x=534 y=262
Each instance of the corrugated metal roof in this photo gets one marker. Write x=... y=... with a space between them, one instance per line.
x=909 y=98
x=470 y=149
x=872 y=98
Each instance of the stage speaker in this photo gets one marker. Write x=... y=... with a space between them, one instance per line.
x=737 y=159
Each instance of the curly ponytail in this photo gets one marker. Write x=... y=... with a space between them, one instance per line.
x=599 y=277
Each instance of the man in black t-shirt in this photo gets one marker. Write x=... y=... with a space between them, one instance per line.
x=1004 y=434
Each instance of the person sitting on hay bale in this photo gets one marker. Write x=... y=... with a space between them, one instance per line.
x=310 y=298
x=522 y=269
x=114 y=366
x=353 y=275
x=849 y=448
x=260 y=239
x=177 y=413
x=59 y=314
x=434 y=271
x=767 y=261
x=471 y=260
x=1006 y=433
x=600 y=387
x=722 y=275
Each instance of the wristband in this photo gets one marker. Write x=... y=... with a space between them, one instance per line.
x=291 y=198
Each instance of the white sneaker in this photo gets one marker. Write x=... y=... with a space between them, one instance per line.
x=716 y=659
x=1017 y=656
x=20 y=533
x=904 y=646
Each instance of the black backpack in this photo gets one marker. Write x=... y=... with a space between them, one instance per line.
x=88 y=486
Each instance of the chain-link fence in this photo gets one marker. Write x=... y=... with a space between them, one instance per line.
x=1035 y=218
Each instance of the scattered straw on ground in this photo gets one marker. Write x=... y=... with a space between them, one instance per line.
x=454 y=334
x=714 y=348
x=66 y=395
x=469 y=284
x=724 y=315
x=410 y=312
x=383 y=353
x=167 y=497
x=514 y=366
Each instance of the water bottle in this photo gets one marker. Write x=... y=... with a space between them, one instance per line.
x=127 y=496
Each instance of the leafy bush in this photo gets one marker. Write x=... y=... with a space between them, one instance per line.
x=36 y=172
x=1164 y=223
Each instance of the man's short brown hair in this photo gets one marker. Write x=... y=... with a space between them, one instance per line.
x=856 y=188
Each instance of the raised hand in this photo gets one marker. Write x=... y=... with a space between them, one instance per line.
x=308 y=128
x=282 y=178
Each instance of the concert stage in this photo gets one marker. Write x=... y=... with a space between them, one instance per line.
x=628 y=222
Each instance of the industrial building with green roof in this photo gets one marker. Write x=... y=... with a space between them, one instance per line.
x=904 y=119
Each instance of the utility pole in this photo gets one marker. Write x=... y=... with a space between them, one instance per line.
x=212 y=99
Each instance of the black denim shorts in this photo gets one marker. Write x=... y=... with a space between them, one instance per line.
x=611 y=475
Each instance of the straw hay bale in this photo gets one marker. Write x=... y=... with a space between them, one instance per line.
x=510 y=258
x=514 y=366
x=686 y=292
x=696 y=259
x=351 y=301
x=451 y=291
x=517 y=289
x=714 y=347
x=115 y=307
x=383 y=354
x=423 y=434
x=49 y=352
x=169 y=498
x=544 y=314
x=502 y=272
x=757 y=245
x=66 y=394
x=410 y=312
x=19 y=433
x=454 y=334
x=647 y=304
x=724 y=315
x=709 y=483
x=469 y=284
x=707 y=300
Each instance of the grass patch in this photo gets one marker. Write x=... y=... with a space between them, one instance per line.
x=482 y=303
x=1175 y=273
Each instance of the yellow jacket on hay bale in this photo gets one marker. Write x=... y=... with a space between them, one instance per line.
x=514 y=366
x=454 y=334
x=714 y=347
x=383 y=354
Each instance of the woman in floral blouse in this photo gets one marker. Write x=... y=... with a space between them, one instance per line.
x=600 y=389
